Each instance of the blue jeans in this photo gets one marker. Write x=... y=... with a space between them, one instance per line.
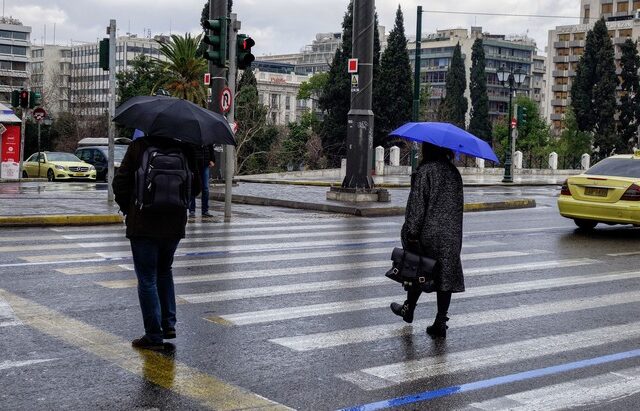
x=204 y=178
x=152 y=259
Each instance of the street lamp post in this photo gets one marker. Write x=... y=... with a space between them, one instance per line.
x=513 y=79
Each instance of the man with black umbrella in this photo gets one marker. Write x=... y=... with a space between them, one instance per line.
x=204 y=158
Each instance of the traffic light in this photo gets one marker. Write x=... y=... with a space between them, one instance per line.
x=217 y=39
x=15 y=98
x=24 y=98
x=35 y=99
x=245 y=58
x=104 y=54
x=522 y=116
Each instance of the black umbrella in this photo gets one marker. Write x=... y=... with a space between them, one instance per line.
x=171 y=117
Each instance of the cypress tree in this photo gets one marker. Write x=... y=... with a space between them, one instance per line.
x=393 y=89
x=629 y=100
x=455 y=102
x=593 y=92
x=479 y=125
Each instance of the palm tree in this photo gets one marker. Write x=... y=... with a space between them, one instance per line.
x=182 y=70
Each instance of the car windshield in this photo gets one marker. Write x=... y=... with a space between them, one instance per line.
x=616 y=167
x=118 y=154
x=62 y=157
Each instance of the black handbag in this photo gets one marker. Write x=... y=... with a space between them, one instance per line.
x=411 y=269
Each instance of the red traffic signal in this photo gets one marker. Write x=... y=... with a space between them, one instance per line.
x=24 y=98
x=246 y=44
x=243 y=51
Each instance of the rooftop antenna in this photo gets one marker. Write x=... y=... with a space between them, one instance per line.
x=54 y=34
x=169 y=27
x=2 y=8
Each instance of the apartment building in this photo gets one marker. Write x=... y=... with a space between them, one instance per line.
x=51 y=76
x=278 y=91
x=15 y=45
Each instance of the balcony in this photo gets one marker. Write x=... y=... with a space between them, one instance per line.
x=561 y=59
x=560 y=73
x=577 y=43
x=560 y=87
x=561 y=44
x=555 y=116
x=574 y=59
x=560 y=102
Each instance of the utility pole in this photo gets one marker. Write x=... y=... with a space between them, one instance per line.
x=112 y=107
x=416 y=86
x=217 y=9
x=360 y=120
x=229 y=150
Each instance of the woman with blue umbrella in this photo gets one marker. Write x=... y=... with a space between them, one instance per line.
x=433 y=219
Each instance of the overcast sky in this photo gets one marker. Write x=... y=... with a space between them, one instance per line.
x=278 y=26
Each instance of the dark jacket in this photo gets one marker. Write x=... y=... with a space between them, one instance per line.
x=202 y=155
x=147 y=223
x=434 y=217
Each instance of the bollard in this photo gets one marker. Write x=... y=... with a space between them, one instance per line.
x=553 y=161
x=585 y=161
x=379 y=161
x=517 y=160
x=343 y=169
x=394 y=156
x=480 y=163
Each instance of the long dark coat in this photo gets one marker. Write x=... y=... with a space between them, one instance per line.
x=434 y=215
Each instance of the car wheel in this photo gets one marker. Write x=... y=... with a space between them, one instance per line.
x=585 y=224
x=50 y=175
x=24 y=174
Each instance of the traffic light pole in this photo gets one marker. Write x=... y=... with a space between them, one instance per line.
x=229 y=150
x=112 y=108
x=416 y=86
x=217 y=9
x=22 y=137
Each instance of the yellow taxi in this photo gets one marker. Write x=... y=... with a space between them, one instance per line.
x=609 y=192
x=58 y=166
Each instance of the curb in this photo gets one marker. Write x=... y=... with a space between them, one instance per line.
x=368 y=211
x=59 y=220
x=387 y=185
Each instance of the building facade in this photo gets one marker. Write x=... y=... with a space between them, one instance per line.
x=566 y=46
x=539 y=83
x=90 y=84
x=15 y=53
x=278 y=91
x=51 y=76
x=437 y=52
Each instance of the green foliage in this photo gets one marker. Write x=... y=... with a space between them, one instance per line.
x=181 y=74
x=393 y=91
x=479 y=125
x=593 y=92
x=313 y=87
x=247 y=79
x=252 y=142
x=534 y=136
x=139 y=80
x=629 y=100
x=456 y=84
x=572 y=142
x=425 y=96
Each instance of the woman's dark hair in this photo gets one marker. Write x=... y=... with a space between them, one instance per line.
x=431 y=152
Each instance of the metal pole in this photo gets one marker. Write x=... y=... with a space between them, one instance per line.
x=416 y=86
x=217 y=9
x=38 y=148
x=22 y=137
x=112 y=107
x=360 y=120
x=508 y=177
x=229 y=150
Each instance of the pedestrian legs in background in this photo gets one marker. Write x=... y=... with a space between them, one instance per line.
x=439 y=327
x=204 y=177
x=152 y=259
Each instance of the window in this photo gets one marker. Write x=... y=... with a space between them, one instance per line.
x=65 y=53
x=18 y=35
x=577 y=51
x=607 y=8
x=625 y=33
x=622 y=6
x=563 y=37
x=563 y=52
x=562 y=66
x=4 y=49
x=37 y=53
x=19 y=50
x=287 y=103
x=560 y=81
x=612 y=34
x=578 y=36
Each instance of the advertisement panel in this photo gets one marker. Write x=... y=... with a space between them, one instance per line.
x=10 y=153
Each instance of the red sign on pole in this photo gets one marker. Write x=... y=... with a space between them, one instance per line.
x=514 y=122
x=207 y=79
x=226 y=100
x=39 y=114
x=353 y=66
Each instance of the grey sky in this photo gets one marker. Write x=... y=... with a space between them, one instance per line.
x=278 y=26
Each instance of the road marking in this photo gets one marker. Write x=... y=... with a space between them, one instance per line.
x=501 y=380
x=516 y=230
x=624 y=254
x=312 y=310
x=5 y=365
x=7 y=316
x=159 y=369
x=573 y=394
x=218 y=231
x=397 y=329
x=389 y=375
x=263 y=273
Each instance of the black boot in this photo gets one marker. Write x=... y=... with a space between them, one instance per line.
x=405 y=310
x=439 y=327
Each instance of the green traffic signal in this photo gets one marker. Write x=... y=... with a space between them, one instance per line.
x=244 y=56
x=217 y=41
x=35 y=99
x=522 y=116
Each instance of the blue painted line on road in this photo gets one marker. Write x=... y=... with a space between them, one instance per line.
x=492 y=382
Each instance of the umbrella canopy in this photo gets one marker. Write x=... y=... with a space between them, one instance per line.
x=447 y=136
x=170 y=117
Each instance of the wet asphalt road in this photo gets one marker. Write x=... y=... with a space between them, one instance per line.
x=293 y=307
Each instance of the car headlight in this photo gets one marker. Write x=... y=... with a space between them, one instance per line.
x=92 y=168
x=58 y=167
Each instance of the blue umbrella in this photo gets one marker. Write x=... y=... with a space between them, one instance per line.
x=447 y=136
x=137 y=134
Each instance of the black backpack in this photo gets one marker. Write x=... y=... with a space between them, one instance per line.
x=163 y=180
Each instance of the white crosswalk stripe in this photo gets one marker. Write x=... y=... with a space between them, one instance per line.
x=407 y=371
x=576 y=394
x=7 y=316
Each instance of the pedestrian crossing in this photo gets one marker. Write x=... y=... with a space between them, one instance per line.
x=315 y=289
